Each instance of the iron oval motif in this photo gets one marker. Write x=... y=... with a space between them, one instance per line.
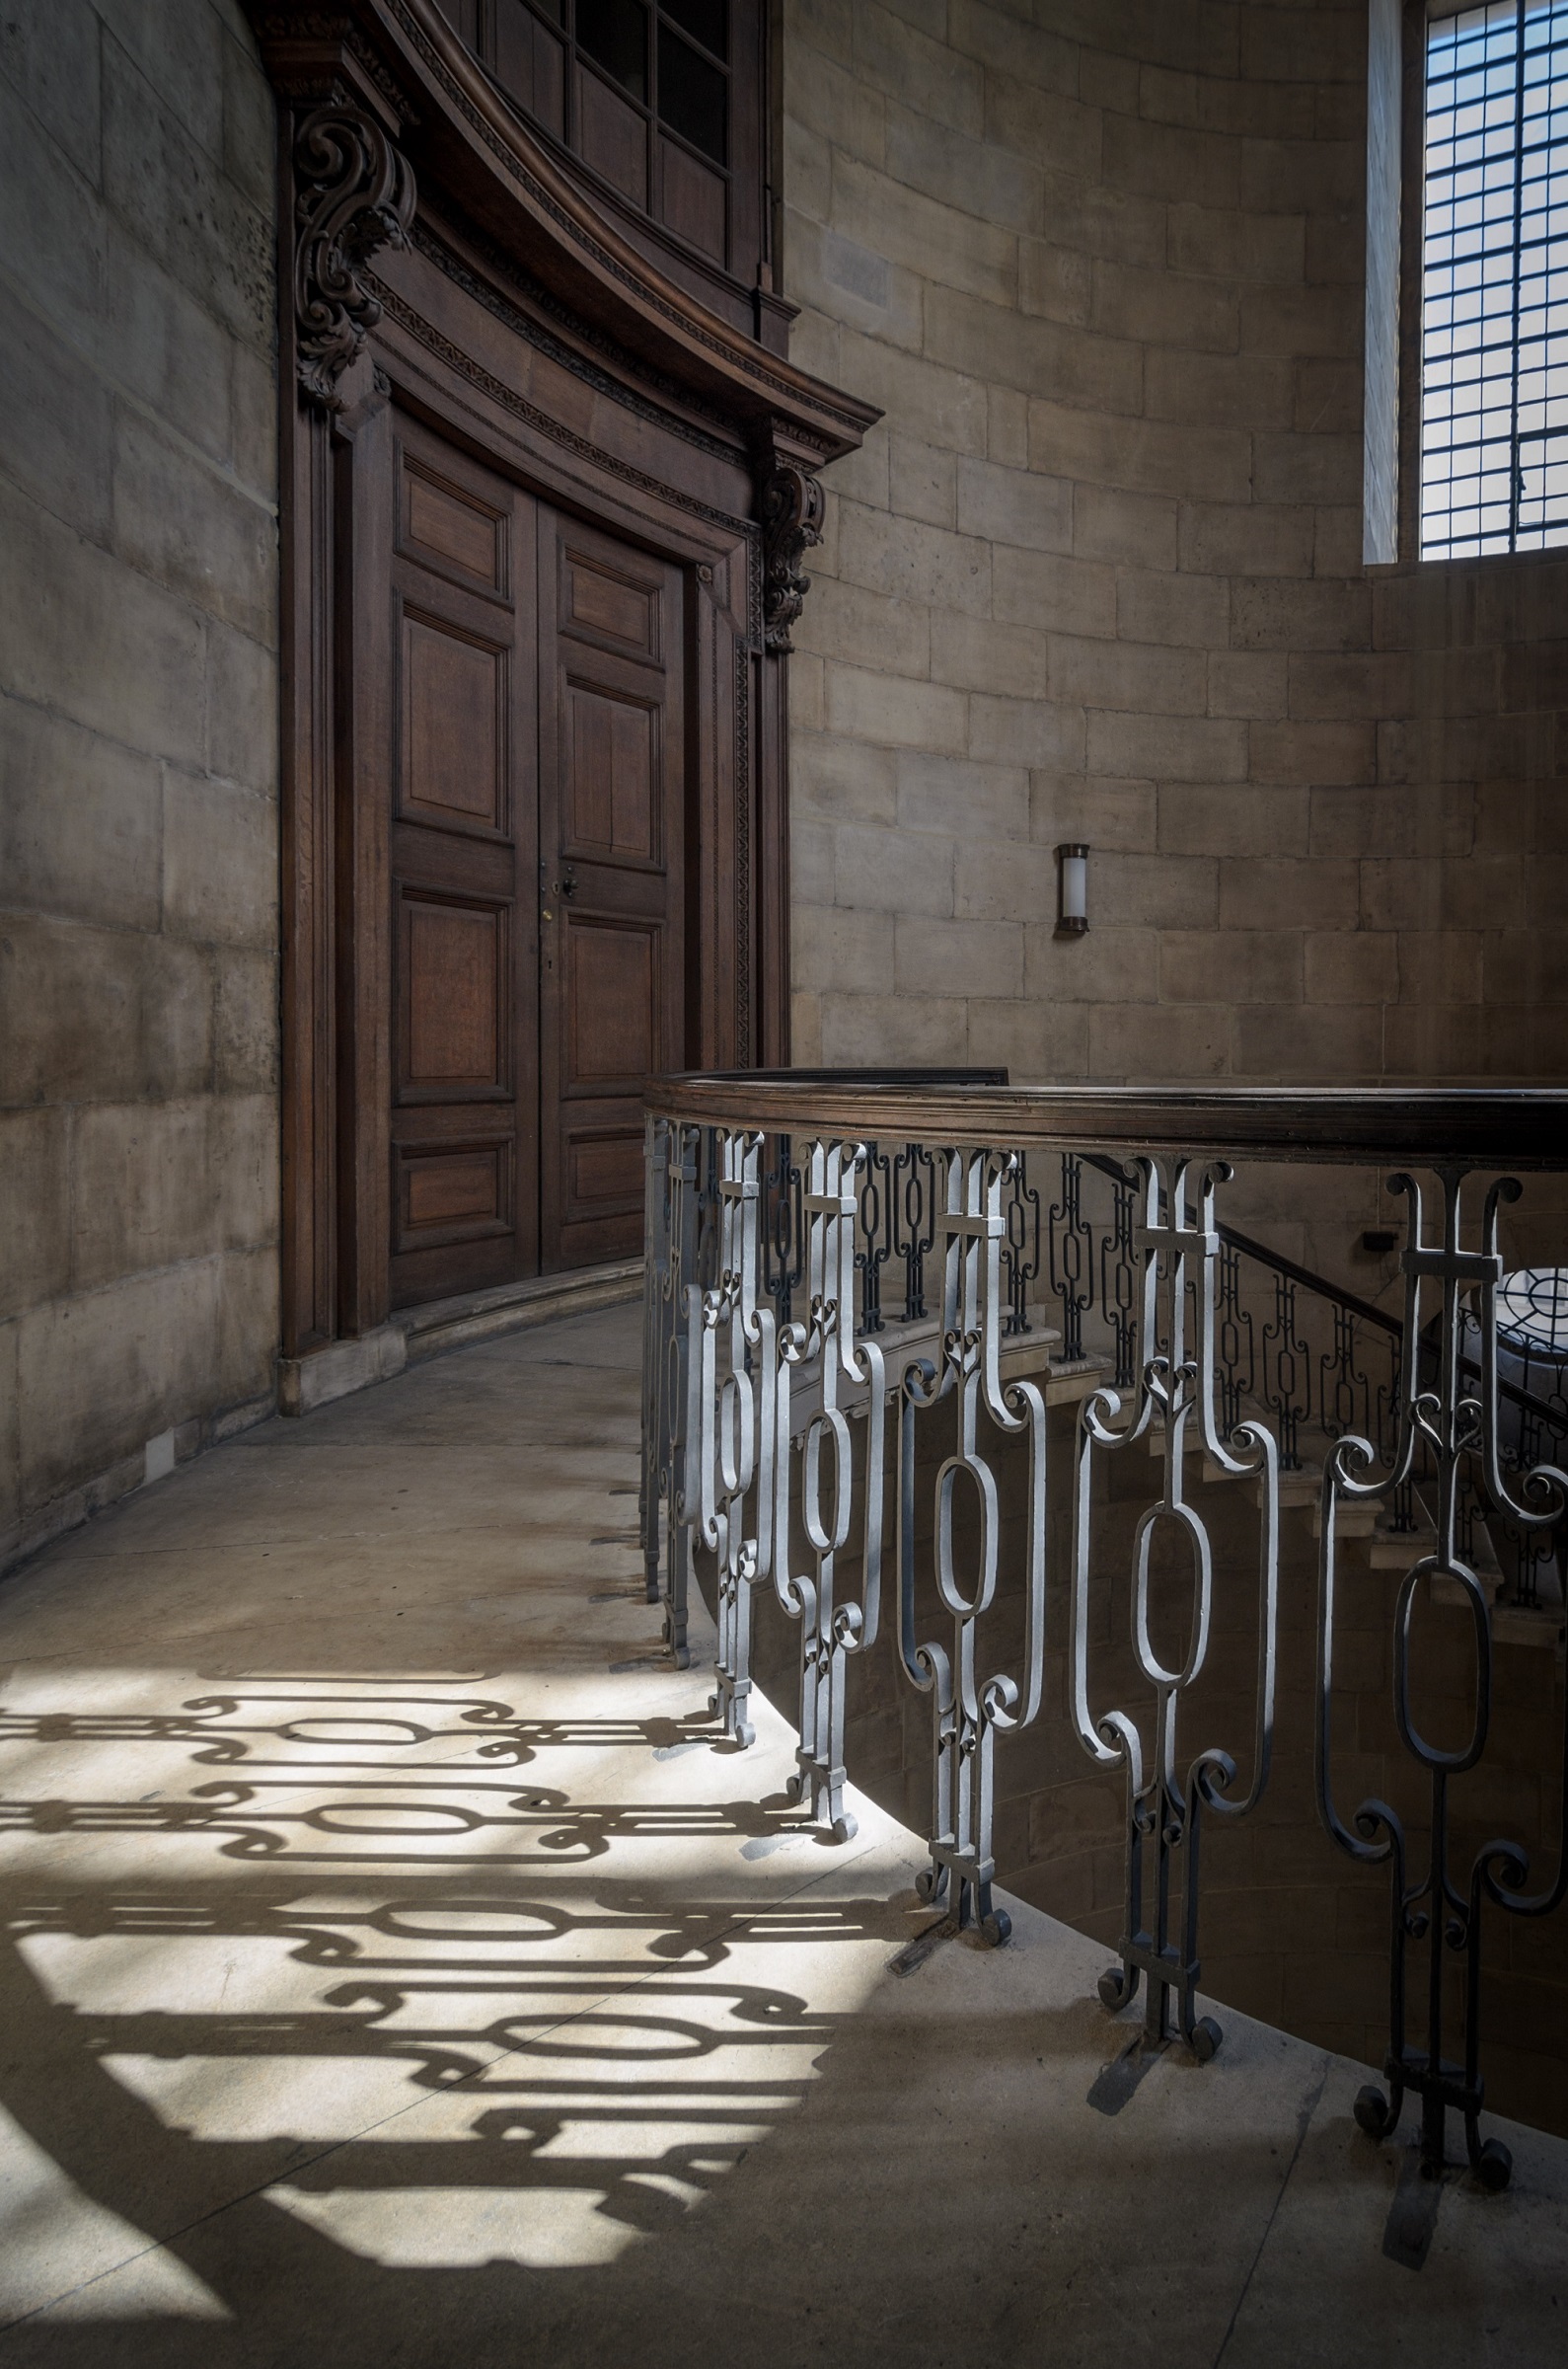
x=967 y=1604
x=1412 y=1594
x=1154 y=1588
x=827 y=1536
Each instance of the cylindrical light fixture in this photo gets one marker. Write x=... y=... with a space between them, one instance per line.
x=1072 y=888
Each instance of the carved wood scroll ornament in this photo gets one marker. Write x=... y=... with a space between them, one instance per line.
x=355 y=194
x=791 y=506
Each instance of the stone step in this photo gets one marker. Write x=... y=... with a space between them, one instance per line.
x=904 y=1344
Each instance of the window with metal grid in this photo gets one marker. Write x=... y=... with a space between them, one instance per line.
x=1494 y=337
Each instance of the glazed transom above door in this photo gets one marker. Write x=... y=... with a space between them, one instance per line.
x=660 y=102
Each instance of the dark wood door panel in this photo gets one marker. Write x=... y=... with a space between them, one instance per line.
x=455 y=758
x=612 y=771
x=535 y=798
x=612 y=846
x=608 y=596
x=615 y=1018
x=463 y=1120
x=456 y=986
x=600 y=1181
x=452 y=1192
x=447 y=524
x=449 y=862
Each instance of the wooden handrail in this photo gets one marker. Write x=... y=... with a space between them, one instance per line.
x=1384 y=1126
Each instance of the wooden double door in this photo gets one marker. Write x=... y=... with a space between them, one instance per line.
x=535 y=870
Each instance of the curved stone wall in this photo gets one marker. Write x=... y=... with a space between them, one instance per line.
x=138 y=747
x=1099 y=576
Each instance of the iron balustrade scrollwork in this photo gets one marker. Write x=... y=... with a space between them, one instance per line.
x=831 y=1630
x=658 y=1329
x=1441 y=1413
x=1287 y=1359
x=1078 y=1250
x=1533 y=1423
x=679 y=1160
x=914 y=1222
x=784 y=1232
x=1177 y=1395
x=968 y=1710
x=875 y=1235
x=1070 y=1243
x=730 y=1425
x=1107 y=1288
x=1237 y=1353
x=1021 y=1243
x=1117 y=1287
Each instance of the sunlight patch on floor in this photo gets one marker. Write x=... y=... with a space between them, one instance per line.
x=456 y=2229
x=54 y=2239
x=482 y=1966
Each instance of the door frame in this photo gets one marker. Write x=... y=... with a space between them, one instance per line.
x=727 y=855
x=432 y=256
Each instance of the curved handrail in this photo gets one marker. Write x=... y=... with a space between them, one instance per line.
x=1520 y=1126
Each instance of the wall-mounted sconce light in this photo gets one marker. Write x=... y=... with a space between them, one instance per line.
x=1072 y=888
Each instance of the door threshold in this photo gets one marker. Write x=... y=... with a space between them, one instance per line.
x=415 y=1333
x=510 y=1307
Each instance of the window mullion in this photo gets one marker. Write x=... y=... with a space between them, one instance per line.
x=1513 y=471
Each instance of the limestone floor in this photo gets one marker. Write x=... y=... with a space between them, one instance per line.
x=396 y=1975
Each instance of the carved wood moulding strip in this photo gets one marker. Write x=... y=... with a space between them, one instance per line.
x=618 y=383
x=409 y=318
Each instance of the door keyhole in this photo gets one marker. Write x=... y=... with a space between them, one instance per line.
x=568 y=882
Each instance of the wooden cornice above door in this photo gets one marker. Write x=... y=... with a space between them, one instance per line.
x=401 y=61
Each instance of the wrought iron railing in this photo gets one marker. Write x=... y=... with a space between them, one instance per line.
x=827 y=1250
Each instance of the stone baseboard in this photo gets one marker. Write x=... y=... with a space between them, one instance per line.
x=143 y=1469
x=330 y=1373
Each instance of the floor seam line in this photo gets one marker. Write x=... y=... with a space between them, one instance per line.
x=1303 y=2124
x=246 y=2195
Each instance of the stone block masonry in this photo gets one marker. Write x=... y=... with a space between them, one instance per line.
x=1099 y=576
x=138 y=747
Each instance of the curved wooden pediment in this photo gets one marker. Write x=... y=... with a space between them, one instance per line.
x=402 y=63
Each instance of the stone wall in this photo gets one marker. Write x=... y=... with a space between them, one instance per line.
x=138 y=769
x=1099 y=575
